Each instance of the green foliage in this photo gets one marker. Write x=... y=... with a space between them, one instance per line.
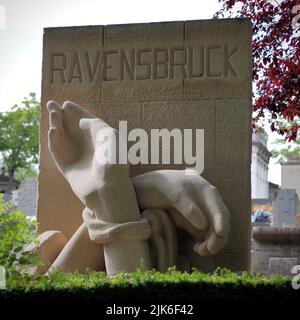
x=23 y=173
x=148 y=285
x=17 y=231
x=283 y=149
x=19 y=131
x=93 y=279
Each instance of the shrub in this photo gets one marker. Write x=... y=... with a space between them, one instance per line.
x=17 y=231
x=149 y=285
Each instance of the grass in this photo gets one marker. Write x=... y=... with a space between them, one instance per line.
x=140 y=285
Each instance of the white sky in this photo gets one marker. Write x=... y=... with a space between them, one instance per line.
x=21 y=30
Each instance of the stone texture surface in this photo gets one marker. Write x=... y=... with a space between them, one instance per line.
x=91 y=255
x=50 y=246
x=27 y=195
x=104 y=188
x=285 y=208
x=276 y=234
x=274 y=242
x=298 y=220
x=282 y=266
x=194 y=74
x=290 y=174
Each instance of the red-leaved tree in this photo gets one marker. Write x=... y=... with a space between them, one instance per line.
x=276 y=58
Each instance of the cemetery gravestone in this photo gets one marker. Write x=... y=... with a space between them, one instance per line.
x=285 y=208
x=274 y=242
x=194 y=74
x=282 y=266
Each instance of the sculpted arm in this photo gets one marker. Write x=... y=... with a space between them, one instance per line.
x=75 y=141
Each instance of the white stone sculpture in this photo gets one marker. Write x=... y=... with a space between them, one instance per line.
x=128 y=220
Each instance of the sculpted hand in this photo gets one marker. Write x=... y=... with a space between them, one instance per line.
x=70 y=146
x=193 y=203
x=76 y=140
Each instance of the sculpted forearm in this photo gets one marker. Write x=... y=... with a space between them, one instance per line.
x=124 y=214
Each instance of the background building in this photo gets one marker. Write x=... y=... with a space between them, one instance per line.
x=290 y=174
x=259 y=166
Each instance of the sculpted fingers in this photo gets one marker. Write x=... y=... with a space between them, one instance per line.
x=212 y=245
x=56 y=132
x=74 y=110
x=94 y=126
x=55 y=120
x=219 y=218
x=53 y=140
x=201 y=248
x=182 y=223
x=103 y=137
x=217 y=211
x=215 y=243
x=53 y=106
x=58 y=143
x=190 y=210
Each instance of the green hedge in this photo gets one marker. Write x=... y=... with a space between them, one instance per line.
x=145 y=286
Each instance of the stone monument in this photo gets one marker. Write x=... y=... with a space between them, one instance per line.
x=286 y=207
x=282 y=266
x=129 y=220
x=194 y=74
x=290 y=174
x=275 y=249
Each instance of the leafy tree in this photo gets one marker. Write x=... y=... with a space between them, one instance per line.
x=17 y=232
x=19 y=132
x=284 y=150
x=276 y=55
x=23 y=173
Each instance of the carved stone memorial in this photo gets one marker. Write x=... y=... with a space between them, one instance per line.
x=176 y=76
x=286 y=208
x=274 y=243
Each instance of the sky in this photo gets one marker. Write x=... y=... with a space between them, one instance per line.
x=21 y=32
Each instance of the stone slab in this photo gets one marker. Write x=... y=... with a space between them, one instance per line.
x=264 y=251
x=282 y=266
x=194 y=74
x=276 y=234
x=285 y=208
x=274 y=242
